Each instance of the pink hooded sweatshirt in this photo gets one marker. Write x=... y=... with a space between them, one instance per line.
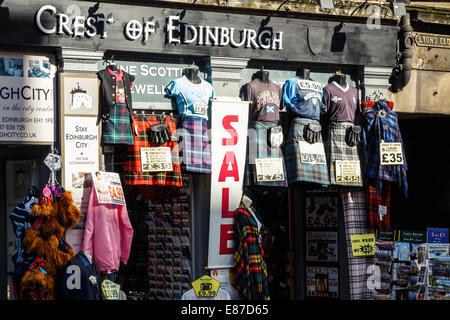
x=107 y=235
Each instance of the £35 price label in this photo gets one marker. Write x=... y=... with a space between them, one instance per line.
x=391 y=153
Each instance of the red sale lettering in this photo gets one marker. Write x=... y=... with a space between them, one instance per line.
x=225 y=172
x=226 y=122
x=226 y=234
x=226 y=213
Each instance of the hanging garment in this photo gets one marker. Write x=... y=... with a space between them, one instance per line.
x=298 y=171
x=258 y=147
x=337 y=148
x=267 y=100
x=133 y=170
x=192 y=99
x=303 y=97
x=117 y=128
x=195 y=146
x=380 y=124
x=249 y=272
x=355 y=222
x=340 y=104
x=80 y=279
x=378 y=203
x=107 y=235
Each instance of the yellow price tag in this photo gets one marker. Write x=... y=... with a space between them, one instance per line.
x=206 y=287
x=363 y=244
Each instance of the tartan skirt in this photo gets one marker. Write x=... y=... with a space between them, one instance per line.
x=195 y=147
x=336 y=148
x=376 y=198
x=258 y=147
x=133 y=174
x=117 y=129
x=296 y=170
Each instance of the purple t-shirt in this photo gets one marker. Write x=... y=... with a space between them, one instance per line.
x=267 y=100
x=340 y=104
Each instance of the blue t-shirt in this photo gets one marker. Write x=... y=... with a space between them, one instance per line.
x=192 y=99
x=303 y=97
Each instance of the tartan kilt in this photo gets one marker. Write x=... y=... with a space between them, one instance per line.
x=375 y=198
x=296 y=170
x=133 y=174
x=195 y=147
x=117 y=129
x=336 y=148
x=258 y=147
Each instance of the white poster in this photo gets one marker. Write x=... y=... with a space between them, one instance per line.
x=81 y=149
x=223 y=276
x=229 y=120
x=26 y=98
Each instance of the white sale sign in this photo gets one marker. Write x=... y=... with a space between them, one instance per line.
x=229 y=120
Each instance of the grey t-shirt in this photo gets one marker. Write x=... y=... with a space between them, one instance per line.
x=340 y=104
x=267 y=100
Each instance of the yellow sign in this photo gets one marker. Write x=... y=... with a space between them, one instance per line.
x=363 y=244
x=206 y=287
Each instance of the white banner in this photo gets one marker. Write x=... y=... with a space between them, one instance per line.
x=229 y=121
x=26 y=98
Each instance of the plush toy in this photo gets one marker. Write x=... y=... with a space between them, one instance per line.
x=55 y=213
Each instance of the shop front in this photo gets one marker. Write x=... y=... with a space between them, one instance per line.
x=184 y=143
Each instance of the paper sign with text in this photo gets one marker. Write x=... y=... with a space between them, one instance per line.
x=269 y=169
x=391 y=153
x=108 y=187
x=363 y=244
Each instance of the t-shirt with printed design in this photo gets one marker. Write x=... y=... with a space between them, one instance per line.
x=340 y=104
x=266 y=100
x=303 y=97
x=120 y=88
x=192 y=99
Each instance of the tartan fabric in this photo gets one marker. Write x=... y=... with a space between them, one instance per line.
x=195 y=147
x=249 y=272
x=258 y=147
x=355 y=222
x=117 y=129
x=336 y=148
x=133 y=174
x=296 y=170
x=373 y=201
x=376 y=128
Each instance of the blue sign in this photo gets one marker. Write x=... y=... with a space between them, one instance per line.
x=437 y=235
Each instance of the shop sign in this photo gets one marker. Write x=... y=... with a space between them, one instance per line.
x=26 y=98
x=321 y=246
x=363 y=244
x=322 y=282
x=412 y=236
x=108 y=187
x=321 y=212
x=437 y=235
x=432 y=40
x=229 y=123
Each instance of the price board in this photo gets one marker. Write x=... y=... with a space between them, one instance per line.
x=269 y=169
x=391 y=153
x=312 y=153
x=321 y=212
x=156 y=159
x=348 y=171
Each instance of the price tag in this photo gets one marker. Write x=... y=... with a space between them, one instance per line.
x=206 y=287
x=312 y=153
x=110 y=290
x=200 y=108
x=348 y=171
x=383 y=211
x=156 y=159
x=109 y=187
x=391 y=153
x=269 y=169
x=363 y=244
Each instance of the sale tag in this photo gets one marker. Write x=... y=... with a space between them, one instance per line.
x=312 y=153
x=156 y=159
x=348 y=171
x=206 y=287
x=363 y=244
x=269 y=169
x=108 y=187
x=391 y=153
x=200 y=108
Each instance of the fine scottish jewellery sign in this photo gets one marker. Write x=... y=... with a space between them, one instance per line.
x=50 y=21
